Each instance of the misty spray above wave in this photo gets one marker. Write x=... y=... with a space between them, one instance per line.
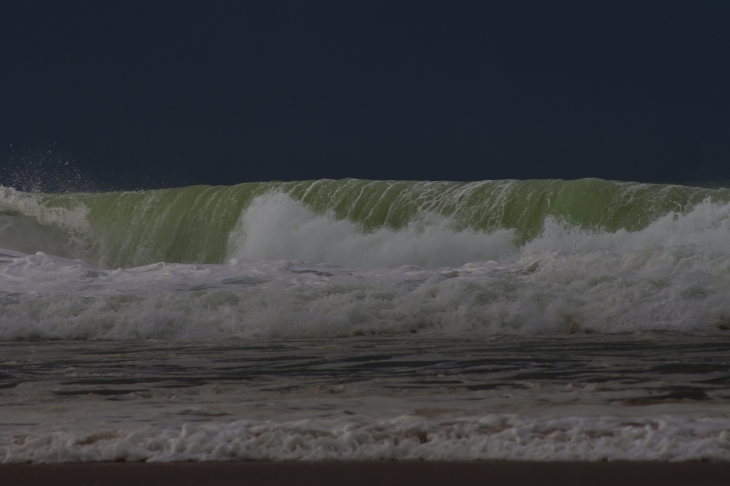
x=339 y=258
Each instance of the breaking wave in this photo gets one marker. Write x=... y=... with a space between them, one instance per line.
x=351 y=257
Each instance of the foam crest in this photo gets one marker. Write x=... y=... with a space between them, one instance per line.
x=275 y=227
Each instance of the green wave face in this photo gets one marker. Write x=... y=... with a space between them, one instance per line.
x=195 y=224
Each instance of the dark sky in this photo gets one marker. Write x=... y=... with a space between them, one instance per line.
x=169 y=93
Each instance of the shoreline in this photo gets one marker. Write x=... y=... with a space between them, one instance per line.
x=423 y=473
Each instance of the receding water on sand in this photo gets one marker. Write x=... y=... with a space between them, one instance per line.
x=646 y=396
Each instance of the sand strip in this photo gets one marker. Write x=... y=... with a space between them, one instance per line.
x=369 y=473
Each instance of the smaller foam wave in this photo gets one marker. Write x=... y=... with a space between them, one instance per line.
x=679 y=289
x=403 y=438
x=706 y=228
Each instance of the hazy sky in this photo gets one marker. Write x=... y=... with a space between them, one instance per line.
x=213 y=92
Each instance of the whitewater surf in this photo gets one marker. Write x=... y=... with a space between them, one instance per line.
x=355 y=319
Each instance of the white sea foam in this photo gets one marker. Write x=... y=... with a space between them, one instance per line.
x=682 y=288
x=406 y=437
x=275 y=227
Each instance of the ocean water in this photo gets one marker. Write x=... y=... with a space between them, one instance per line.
x=536 y=320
